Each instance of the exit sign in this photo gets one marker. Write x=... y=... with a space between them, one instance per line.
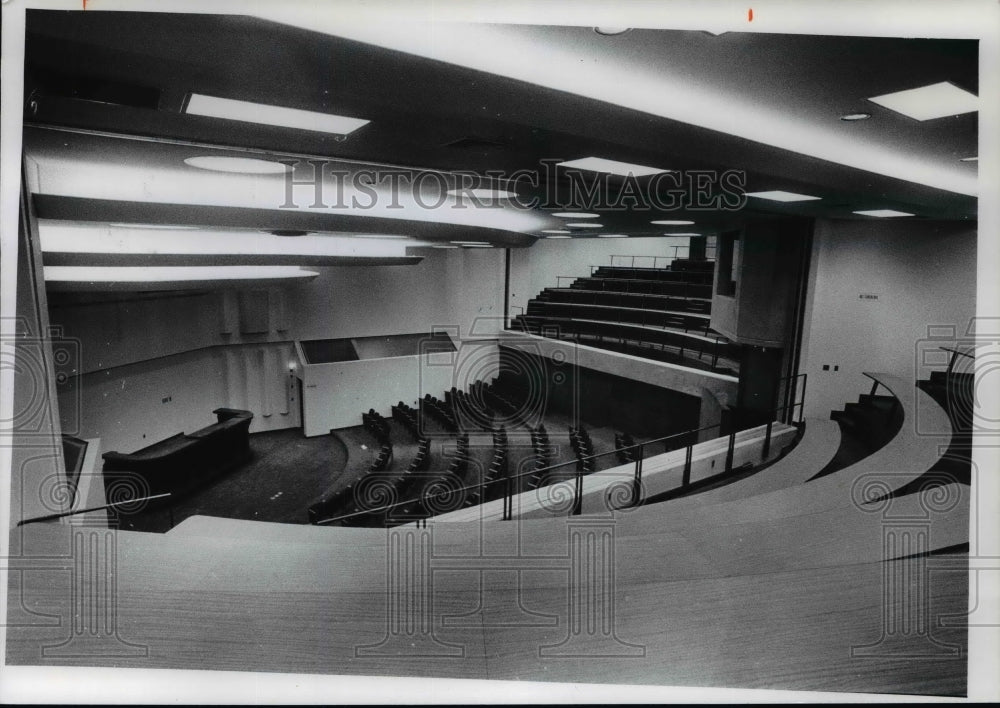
x=867 y=296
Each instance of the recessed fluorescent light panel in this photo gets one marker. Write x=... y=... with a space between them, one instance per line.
x=612 y=235
x=555 y=231
x=672 y=222
x=969 y=159
x=682 y=234
x=575 y=215
x=249 y=112
x=928 y=102
x=170 y=274
x=851 y=117
x=599 y=164
x=548 y=237
x=780 y=196
x=883 y=212
x=239 y=165
x=585 y=226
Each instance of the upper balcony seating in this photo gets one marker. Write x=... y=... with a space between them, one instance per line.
x=665 y=275
x=688 y=264
x=182 y=463
x=684 y=289
x=612 y=298
x=710 y=348
x=660 y=318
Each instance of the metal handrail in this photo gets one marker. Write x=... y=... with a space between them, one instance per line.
x=112 y=505
x=578 y=473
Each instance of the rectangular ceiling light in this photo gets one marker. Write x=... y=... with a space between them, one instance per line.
x=927 y=102
x=882 y=212
x=248 y=112
x=171 y=274
x=599 y=164
x=779 y=196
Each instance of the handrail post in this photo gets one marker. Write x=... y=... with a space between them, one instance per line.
x=508 y=501
x=767 y=439
x=686 y=477
x=730 y=451
x=578 y=492
x=637 y=478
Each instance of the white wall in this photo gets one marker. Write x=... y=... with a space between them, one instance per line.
x=924 y=274
x=533 y=269
x=125 y=406
x=135 y=353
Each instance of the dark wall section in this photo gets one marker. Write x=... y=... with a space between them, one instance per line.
x=595 y=398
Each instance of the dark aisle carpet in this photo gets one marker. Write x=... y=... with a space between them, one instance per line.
x=287 y=473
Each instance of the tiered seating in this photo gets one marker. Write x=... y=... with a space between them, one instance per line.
x=379 y=427
x=658 y=317
x=614 y=298
x=583 y=448
x=490 y=487
x=543 y=456
x=623 y=445
x=466 y=407
x=436 y=409
x=421 y=461
x=408 y=418
x=658 y=313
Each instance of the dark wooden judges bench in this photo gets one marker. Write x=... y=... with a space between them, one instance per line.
x=182 y=462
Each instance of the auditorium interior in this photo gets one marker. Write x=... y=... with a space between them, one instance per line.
x=495 y=351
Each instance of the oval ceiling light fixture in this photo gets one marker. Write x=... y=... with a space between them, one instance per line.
x=612 y=235
x=559 y=236
x=585 y=226
x=969 y=159
x=575 y=215
x=679 y=233
x=443 y=245
x=237 y=165
x=482 y=193
x=555 y=231
x=672 y=222
x=850 y=117
x=611 y=31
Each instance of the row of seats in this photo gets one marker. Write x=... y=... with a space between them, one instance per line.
x=659 y=318
x=666 y=275
x=623 y=445
x=468 y=407
x=543 y=456
x=684 y=343
x=583 y=448
x=651 y=287
x=491 y=486
x=645 y=301
x=436 y=409
x=378 y=426
x=408 y=418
